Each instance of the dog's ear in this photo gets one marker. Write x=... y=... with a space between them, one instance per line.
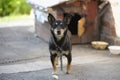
x=51 y=18
x=67 y=18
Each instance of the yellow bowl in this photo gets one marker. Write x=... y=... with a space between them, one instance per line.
x=99 y=45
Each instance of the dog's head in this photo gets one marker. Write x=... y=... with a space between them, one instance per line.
x=59 y=27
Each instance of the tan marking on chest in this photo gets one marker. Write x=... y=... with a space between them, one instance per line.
x=63 y=52
x=53 y=52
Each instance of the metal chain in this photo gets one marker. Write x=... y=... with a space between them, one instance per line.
x=59 y=54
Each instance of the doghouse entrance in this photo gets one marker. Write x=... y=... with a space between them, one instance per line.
x=73 y=26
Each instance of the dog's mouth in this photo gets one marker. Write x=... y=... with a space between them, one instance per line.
x=59 y=36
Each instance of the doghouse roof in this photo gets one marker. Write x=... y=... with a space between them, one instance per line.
x=46 y=3
x=49 y=3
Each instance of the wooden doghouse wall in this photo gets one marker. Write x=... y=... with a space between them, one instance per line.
x=89 y=10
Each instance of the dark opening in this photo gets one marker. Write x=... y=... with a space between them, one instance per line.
x=73 y=26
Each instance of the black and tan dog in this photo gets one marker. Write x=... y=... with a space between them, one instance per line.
x=59 y=41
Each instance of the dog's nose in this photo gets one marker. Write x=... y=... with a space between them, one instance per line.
x=58 y=32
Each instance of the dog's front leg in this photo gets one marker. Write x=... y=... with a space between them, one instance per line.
x=69 y=59
x=54 y=62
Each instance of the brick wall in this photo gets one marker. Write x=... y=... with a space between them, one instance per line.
x=111 y=23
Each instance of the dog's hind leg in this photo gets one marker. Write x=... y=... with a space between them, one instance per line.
x=69 y=59
x=53 y=60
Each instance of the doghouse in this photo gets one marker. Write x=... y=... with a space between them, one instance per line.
x=88 y=19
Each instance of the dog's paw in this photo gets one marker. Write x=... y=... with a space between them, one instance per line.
x=55 y=77
x=67 y=73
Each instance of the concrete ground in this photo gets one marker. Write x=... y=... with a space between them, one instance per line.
x=25 y=57
x=103 y=70
x=18 y=42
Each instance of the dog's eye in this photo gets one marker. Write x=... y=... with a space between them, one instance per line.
x=56 y=23
x=61 y=23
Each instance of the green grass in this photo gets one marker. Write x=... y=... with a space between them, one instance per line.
x=13 y=17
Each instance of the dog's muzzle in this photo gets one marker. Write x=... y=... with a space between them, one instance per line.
x=58 y=32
